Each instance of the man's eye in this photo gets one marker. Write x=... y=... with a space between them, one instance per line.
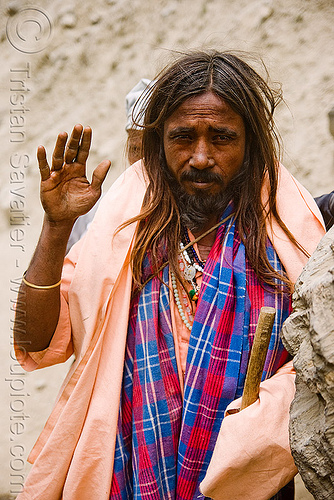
x=182 y=137
x=222 y=138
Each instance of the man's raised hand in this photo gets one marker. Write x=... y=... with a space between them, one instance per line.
x=65 y=191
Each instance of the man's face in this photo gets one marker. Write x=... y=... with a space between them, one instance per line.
x=204 y=144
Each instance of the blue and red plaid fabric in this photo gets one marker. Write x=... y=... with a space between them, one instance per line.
x=164 y=443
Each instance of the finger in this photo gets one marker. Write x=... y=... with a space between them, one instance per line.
x=99 y=174
x=42 y=163
x=84 y=146
x=58 y=152
x=73 y=144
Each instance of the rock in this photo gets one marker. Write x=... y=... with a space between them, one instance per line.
x=13 y=7
x=308 y=335
x=258 y=13
x=168 y=10
x=95 y=18
x=68 y=20
x=331 y=121
x=40 y=385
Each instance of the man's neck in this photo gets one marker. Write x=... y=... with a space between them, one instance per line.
x=205 y=244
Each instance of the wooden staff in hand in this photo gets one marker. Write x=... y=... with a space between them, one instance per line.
x=258 y=356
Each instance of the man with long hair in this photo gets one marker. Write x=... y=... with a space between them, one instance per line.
x=159 y=302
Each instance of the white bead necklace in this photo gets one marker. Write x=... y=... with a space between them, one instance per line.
x=178 y=302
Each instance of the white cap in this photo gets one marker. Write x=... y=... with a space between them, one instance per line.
x=134 y=98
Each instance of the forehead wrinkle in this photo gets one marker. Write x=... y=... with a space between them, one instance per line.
x=207 y=113
x=201 y=112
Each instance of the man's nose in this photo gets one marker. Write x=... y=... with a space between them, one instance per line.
x=201 y=157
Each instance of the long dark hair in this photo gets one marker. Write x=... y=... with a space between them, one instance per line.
x=249 y=95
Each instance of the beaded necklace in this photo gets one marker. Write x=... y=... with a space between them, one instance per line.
x=178 y=302
x=192 y=250
x=188 y=267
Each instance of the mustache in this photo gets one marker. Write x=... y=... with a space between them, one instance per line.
x=201 y=176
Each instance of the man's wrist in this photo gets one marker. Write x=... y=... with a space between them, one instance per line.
x=63 y=227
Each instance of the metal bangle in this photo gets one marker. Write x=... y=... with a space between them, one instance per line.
x=39 y=287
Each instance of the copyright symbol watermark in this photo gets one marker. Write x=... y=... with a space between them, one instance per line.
x=29 y=30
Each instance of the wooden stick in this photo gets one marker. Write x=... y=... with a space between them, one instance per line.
x=258 y=356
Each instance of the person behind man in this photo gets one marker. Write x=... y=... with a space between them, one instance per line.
x=326 y=205
x=159 y=302
x=135 y=109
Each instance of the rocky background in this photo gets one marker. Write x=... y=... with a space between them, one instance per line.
x=308 y=335
x=74 y=61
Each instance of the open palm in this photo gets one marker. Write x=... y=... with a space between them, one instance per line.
x=65 y=190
